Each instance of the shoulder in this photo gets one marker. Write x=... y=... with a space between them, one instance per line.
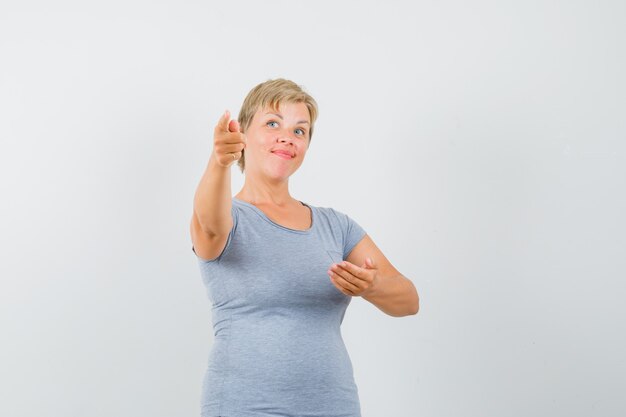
x=336 y=218
x=326 y=211
x=328 y=215
x=336 y=214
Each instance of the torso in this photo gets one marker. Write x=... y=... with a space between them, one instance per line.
x=297 y=217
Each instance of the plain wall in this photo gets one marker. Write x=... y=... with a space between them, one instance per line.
x=480 y=144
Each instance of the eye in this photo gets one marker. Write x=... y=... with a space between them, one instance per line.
x=270 y=122
x=302 y=132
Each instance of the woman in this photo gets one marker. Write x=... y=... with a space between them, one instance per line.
x=264 y=256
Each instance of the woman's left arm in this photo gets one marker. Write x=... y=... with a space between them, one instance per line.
x=376 y=280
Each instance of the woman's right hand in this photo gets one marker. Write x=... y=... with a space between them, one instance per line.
x=227 y=141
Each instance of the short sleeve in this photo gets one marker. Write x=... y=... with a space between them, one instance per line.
x=233 y=212
x=352 y=232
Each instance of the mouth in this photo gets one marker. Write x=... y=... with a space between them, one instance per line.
x=282 y=154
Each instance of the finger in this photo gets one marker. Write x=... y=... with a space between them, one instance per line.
x=233 y=126
x=359 y=277
x=237 y=155
x=352 y=269
x=346 y=279
x=222 y=124
x=351 y=289
x=231 y=147
x=340 y=287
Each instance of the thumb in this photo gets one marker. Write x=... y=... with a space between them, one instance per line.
x=233 y=126
x=369 y=262
x=222 y=124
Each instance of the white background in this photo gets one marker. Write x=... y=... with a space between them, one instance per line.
x=480 y=144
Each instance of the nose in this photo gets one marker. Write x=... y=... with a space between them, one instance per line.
x=285 y=137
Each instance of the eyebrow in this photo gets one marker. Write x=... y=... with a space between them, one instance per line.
x=281 y=117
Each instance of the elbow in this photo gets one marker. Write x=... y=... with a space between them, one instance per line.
x=416 y=306
x=407 y=311
x=415 y=310
x=415 y=300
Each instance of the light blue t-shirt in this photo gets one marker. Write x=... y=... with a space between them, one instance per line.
x=278 y=349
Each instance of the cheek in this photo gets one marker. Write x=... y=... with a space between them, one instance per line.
x=258 y=140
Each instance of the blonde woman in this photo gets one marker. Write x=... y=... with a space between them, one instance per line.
x=280 y=273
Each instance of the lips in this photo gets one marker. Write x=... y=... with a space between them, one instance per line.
x=283 y=154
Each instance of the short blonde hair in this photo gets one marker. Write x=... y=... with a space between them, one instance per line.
x=273 y=93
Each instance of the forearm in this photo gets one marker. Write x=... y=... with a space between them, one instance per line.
x=395 y=295
x=212 y=201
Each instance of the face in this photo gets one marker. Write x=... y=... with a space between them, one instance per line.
x=276 y=141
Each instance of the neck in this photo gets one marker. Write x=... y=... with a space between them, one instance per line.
x=261 y=192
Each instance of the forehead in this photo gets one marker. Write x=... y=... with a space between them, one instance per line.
x=286 y=109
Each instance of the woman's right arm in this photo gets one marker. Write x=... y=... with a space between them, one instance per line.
x=212 y=221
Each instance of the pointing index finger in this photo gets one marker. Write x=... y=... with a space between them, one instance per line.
x=222 y=124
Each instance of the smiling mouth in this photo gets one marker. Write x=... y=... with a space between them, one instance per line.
x=283 y=155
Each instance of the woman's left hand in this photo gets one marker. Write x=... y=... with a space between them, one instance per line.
x=353 y=280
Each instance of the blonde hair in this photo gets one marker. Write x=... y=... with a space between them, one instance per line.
x=273 y=93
